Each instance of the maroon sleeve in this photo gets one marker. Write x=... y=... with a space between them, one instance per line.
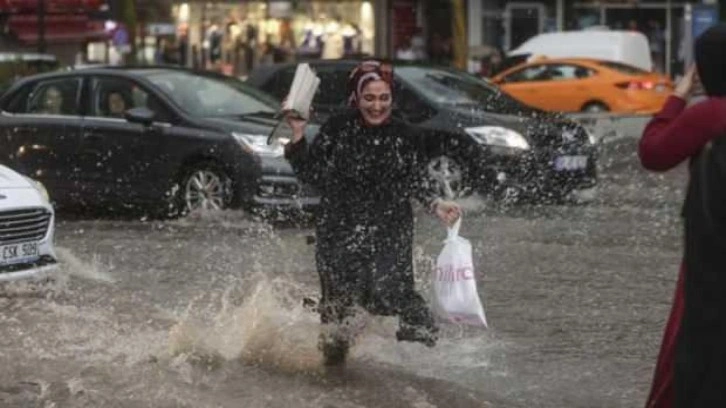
x=675 y=134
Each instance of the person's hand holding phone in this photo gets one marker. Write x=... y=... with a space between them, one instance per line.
x=689 y=84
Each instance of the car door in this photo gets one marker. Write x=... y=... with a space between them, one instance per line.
x=41 y=125
x=525 y=84
x=567 y=89
x=119 y=158
x=552 y=87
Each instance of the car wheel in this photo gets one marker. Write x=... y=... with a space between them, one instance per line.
x=204 y=187
x=595 y=107
x=449 y=177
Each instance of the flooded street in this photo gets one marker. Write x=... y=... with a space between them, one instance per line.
x=207 y=311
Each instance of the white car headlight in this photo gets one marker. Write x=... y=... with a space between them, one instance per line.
x=498 y=136
x=257 y=144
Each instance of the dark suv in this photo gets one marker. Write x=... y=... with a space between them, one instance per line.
x=172 y=139
x=479 y=137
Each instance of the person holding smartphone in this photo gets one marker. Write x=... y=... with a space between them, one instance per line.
x=691 y=367
x=367 y=167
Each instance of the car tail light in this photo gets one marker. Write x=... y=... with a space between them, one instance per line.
x=637 y=85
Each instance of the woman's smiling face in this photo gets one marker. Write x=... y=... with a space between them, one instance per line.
x=375 y=102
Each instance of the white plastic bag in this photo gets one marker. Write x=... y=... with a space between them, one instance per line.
x=456 y=298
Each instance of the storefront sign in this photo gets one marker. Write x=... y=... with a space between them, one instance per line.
x=52 y=5
x=58 y=28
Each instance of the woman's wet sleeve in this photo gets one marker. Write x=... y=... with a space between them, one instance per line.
x=310 y=160
x=677 y=133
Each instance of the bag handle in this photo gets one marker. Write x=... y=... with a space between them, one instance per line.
x=453 y=231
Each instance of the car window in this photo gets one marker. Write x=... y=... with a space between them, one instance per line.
x=50 y=97
x=203 y=96
x=530 y=73
x=623 y=68
x=441 y=86
x=567 y=71
x=279 y=84
x=18 y=101
x=333 y=85
x=112 y=97
x=411 y=106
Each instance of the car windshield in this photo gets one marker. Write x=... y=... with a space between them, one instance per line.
x=453 y=88
x=204 y=96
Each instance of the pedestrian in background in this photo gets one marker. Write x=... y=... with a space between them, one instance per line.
x=691 y=367
x=367 y=167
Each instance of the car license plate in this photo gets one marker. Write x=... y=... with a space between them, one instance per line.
x=570 y=163
x=19 y=253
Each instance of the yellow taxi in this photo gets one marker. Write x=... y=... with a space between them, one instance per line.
x=585 y=85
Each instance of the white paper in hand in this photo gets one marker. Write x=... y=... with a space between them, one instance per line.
x=302 y=91
x=456 y=298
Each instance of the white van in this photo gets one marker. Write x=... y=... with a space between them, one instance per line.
x=627 y=47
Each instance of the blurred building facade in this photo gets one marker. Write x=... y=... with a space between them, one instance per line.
x=69 y=25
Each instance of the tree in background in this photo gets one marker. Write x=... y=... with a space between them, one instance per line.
x=128 y=18
x=459 y=40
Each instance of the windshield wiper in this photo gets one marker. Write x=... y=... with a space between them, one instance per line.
x=245 y=115
x=255 y=113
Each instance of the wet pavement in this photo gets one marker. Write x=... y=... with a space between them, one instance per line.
x=206 y=311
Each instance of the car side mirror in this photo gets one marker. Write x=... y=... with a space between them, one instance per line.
x=143 y=116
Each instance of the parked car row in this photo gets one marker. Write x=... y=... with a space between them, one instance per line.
x=172 y=140
x=168 y=139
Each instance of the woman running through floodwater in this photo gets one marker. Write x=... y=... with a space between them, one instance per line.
x=367 y=167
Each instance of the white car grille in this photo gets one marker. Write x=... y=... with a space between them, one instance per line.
x=23 y=225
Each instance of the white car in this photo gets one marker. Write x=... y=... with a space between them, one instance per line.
x=26 y=228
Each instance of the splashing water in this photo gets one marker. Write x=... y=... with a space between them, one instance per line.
x=71 y=265
x=268 y=328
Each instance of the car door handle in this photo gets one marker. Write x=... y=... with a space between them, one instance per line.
x=22 y=131
x=92 y=137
